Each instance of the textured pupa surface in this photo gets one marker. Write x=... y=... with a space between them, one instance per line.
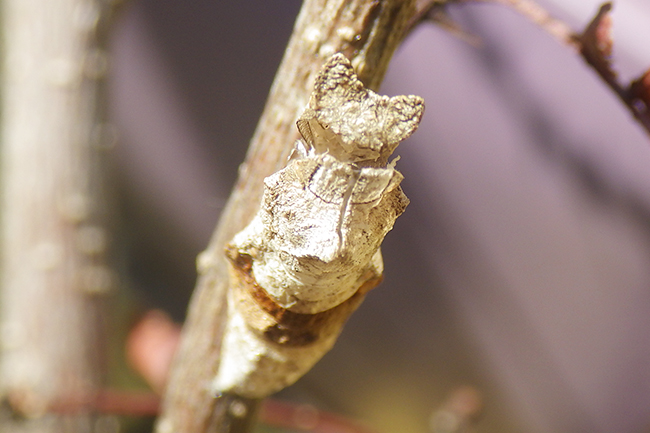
x=304 y=262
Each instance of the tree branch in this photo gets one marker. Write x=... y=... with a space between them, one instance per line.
x=367 y=32
x=593 y=44
x=55 y=208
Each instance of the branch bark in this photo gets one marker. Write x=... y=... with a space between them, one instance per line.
x=367 y=32
x=55 y=230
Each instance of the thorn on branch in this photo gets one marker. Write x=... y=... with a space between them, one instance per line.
x=640 y=88
x=596 y=46
x=596 y=43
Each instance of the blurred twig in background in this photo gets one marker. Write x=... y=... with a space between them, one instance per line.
x=459 y=413
x=56 y=217
x=594 y=45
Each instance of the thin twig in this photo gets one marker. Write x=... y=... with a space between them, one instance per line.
x=436 y=11
x=272 y=413
x=596 y=45
x=589 y=43
x=108 y=401
x=424 y=9
x=541 y=17
x=431 y=9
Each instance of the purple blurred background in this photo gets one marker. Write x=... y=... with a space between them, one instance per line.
x=521 y=266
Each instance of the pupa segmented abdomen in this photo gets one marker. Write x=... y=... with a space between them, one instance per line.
x=311 y=253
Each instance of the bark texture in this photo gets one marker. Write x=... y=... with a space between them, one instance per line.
x=55 y=234
x=367 y=32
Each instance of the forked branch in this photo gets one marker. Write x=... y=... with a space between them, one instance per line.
x=594 y=44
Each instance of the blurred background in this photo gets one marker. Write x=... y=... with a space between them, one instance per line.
x=521 y=267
